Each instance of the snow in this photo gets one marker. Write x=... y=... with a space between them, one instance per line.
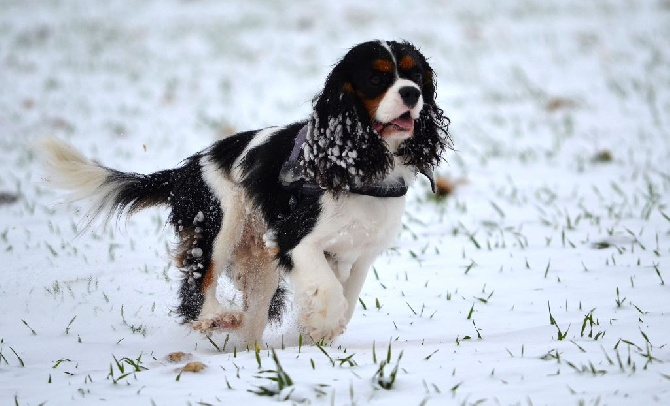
x=542 y=280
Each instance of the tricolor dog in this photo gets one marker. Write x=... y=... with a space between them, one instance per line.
x=313 y=202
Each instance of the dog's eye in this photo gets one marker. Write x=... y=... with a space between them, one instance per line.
x=417 y=77
x=376 y=79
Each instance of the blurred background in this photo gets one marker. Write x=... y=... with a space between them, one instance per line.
x=178 y=73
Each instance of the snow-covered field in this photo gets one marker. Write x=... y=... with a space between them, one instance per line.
x=544 y=279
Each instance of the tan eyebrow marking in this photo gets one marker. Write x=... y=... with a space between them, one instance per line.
x=382 y=65
x=407 y=62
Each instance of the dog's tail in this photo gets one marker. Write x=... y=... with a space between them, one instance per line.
x=111 y=191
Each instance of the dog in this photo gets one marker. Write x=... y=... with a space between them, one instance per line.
x=314 y=202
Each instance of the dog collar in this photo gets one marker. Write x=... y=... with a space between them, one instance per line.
x=291 y=176
x=395 y=190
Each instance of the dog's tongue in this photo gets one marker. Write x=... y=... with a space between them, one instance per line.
x=405 y=122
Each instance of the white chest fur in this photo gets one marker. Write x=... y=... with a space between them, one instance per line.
x=355 y=226
x=357 y=222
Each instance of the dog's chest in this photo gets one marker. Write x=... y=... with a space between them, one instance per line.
x=358 y=223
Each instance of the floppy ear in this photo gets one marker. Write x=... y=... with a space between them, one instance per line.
x=341 y=148
x=431 y=130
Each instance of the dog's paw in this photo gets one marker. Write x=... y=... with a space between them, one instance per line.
x=224 y=321
x=322 y=313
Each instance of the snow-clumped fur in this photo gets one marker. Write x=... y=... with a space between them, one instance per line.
x=374 y=126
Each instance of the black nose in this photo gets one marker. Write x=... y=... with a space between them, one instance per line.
x=409 y=95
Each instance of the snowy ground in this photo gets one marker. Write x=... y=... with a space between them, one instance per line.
x=543 y=280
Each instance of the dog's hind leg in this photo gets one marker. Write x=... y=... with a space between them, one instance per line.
x=256 y=275
x=213 y=316
x=253 y=271
x=196 y=217
x=193 y=257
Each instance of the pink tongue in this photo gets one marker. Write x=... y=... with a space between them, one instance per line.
x=405 y=121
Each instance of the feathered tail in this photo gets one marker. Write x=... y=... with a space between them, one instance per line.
x=111 y=191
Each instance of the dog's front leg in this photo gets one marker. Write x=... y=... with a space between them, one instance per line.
x=318 y=293
x=354 y=284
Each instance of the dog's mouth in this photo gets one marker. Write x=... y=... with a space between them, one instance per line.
x=404 y=122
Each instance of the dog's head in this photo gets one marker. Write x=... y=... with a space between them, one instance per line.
x=379 y=100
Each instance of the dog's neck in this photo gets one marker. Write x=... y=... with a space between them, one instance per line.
x=291 y=175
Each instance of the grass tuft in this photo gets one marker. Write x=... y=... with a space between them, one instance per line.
x=17 y=357
x=67 y=329
x=31 y=329
x=278 y=377
x=121 y=364
x=379 y=379
x=560 y=334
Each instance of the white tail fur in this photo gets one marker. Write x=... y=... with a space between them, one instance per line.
x=66 y=168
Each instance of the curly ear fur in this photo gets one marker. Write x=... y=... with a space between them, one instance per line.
x=341 y=149
x=431 y=130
